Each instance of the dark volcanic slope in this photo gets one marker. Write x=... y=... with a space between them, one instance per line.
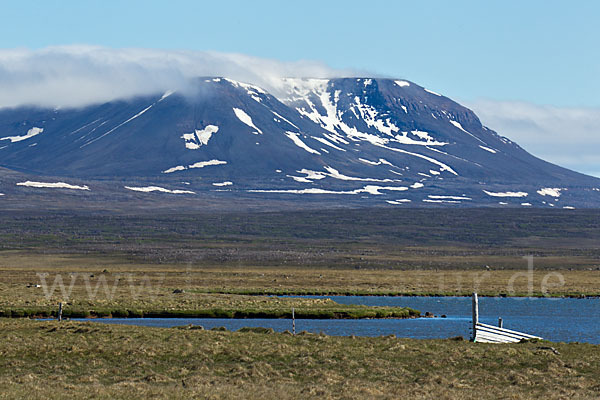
x=350 y=141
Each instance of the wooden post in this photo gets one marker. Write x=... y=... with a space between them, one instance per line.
x=475 y=315
x=293 y=322
x=499 y=322
x=60 y=311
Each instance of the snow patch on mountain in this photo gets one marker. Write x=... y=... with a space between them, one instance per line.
x=370 y=189
x=488 y=149
x=399 y=201
x=252 y=90
x=328 y=143
x=432 y=92
x=402 y=83
x=437 y=197
x=310 y=92
x=298 y=142
x=369 y=115
x=381 y=161
x=506 y=194
x=52 y=185
x=166 y=94
x=226 y=183
x=284 y=119
x=553 y=192
x=459 y=126
x=429 y=141
x=441 y=201
x=246 y=119
x=200 y=164
x=333 y=173
x=148 y=189
x=199 y=137
x=30 y=133
x=443 y=167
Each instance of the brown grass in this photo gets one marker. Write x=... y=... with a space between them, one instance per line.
x=17 y=269
x=87 y=360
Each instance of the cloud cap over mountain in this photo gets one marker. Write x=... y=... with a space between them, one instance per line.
x=73 y=76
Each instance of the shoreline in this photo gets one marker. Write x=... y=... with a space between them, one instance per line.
x=303 y=293
x=335 y=314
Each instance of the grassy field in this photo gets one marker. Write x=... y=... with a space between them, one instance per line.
x=115 y=262
x=77 y=360
x=225 y=265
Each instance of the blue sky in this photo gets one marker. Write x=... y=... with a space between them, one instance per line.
x=545 y=52
x=541 y=54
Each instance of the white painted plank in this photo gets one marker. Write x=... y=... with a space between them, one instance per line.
x=488 y=337
x=500 y=333
x=495 y=328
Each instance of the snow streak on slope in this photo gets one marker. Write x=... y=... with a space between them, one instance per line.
x=432 y=92
x=298 y=142
x=459 y=126
x=284 y=119
x=437 y=197
x=118 y=126
x=149 y=189
x=245 y=118
x=327 y=143
x=443 y=167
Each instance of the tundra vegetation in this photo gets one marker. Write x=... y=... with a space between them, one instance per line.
x=228 y=265
x=74 y=360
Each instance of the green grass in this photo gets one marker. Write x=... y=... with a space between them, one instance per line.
x=257 y=307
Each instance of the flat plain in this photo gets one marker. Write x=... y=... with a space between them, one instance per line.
x=228 y=264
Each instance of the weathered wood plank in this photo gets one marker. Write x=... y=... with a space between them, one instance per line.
x=507 y=331
x=489 y=337
x=498 y=336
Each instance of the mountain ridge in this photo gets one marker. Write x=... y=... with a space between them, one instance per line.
x=377 y=141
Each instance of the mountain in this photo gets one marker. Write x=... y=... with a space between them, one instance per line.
x=331 y=142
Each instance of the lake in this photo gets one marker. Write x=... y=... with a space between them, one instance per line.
x=558 y=320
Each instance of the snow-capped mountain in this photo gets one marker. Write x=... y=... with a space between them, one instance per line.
x=356 y=141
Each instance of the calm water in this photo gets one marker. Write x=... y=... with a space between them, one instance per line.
x=559 y=320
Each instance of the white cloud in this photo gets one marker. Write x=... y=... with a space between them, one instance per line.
x=68 y=76
x=569 y=137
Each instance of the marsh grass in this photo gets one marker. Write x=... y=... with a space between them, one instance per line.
x=45 y=359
